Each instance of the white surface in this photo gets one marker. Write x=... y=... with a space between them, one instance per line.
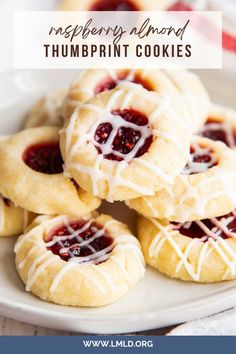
x=7 y=9
x=222 y=324
x=10 y=327
x=155 y=302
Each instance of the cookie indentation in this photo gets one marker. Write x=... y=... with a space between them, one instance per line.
x=44 y=158
x=127 y=135
x=81 y=241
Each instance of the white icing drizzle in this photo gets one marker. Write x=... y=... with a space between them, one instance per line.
x=122 y=268
x=209 y=241
x=156 y=244
x=21 y=240
x=168 y=235
x=36 y=268
x=199 y=167
x=192 y=196
x=200 y=200
x=220 y=225
x=176 y=77
x=60 y=275
x=167 y=106
x=106 y=276
x=95 y=172
x=47 y=222
x=149 y=165
x=171 y=138
x=117 y=122
x=149 y=204
x=32 y=250
x=195 y=197
x=136 y=249
x=185 y=253
x=225 y=126
x=79 y=264
x=93 y=280
x=95 y=257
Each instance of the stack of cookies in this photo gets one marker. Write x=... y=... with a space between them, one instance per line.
x=149 y=138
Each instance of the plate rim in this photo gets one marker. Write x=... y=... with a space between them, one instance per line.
x=215 y=299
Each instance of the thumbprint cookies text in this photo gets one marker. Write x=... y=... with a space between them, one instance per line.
x=116 y=51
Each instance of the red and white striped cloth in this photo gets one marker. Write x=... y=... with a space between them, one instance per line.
x=228 y=8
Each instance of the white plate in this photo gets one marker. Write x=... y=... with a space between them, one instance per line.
x=157 y=300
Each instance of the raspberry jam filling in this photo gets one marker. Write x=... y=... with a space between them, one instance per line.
x=201 y=159
x=127 y=135
x=109 y=83
x=105 y=85
x=81 y=241
x=223 y=226
x=44 y=158
x=216 y=130
x=6 y=201
x=114 y=5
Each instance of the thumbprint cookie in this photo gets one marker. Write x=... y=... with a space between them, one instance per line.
x=31 y=175
x=206 y=187
x=46 y=111
x=167 y=82
x=125 y=143
x=81 y=261
x=201 y=251
x=221 y=125
x=13 y=220
x=113 y=5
